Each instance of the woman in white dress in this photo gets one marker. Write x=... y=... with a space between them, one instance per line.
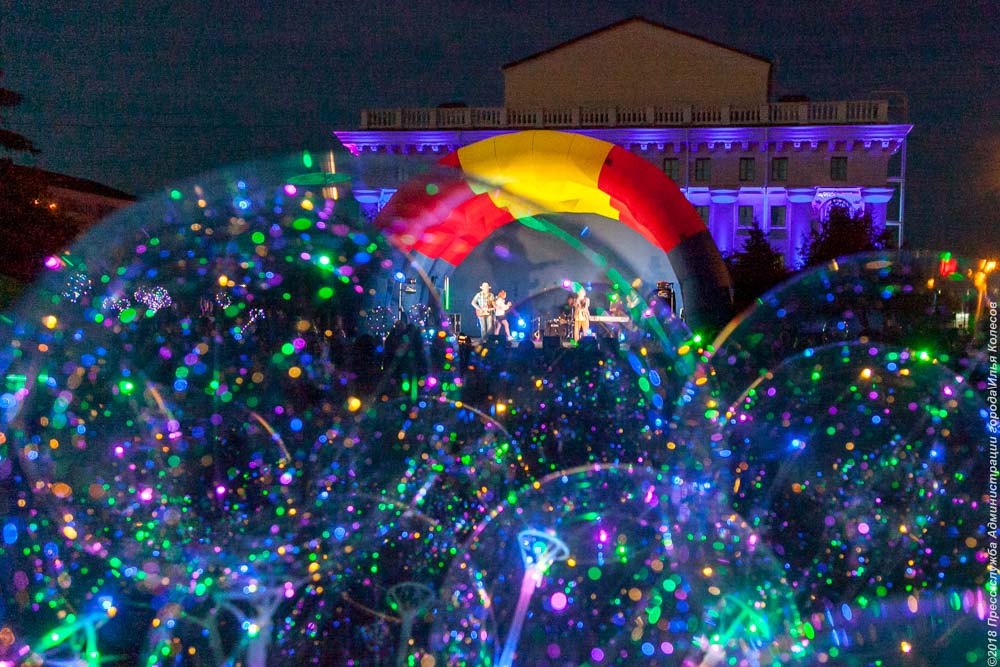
x=501 y=306
x=581 y=315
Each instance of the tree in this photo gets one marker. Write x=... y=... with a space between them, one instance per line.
x=755 y=268
x=843 y=233
x=12 y=142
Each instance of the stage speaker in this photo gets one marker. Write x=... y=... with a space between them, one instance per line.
x=553 y=328
x=588 y=343
x=455 y=322
x=551 y=342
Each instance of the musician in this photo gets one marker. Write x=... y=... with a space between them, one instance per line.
x=568 y=308
x=616 y=309
x=565 y=320
x=501 y=306
x=484 y=303
x=581 y=315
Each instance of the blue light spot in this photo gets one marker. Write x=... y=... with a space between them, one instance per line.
x=10 y=534
x=634 y=362
x=296 y=424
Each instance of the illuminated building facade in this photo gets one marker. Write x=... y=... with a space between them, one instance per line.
x=700 y=111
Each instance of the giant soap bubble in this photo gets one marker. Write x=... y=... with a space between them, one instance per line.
x=615 y=565
x=921 y=300
x=403 y=482
x=170 y=376
x=862 y=467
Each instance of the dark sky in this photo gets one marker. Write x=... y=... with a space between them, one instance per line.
x=136 y=98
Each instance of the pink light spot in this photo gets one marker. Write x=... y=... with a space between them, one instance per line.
x=220 y=490
x=602 y=536
x=558 y=601
x=290 y=190
x=146 y=495
x=52 y=262
x=863 y=528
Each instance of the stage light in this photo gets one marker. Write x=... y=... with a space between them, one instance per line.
x=520 y=322
x=399 y=276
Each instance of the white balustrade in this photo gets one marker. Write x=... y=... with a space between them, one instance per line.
x=779 y=113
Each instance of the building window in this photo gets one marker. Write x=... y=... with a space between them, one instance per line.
x=672 y=168
x=778 y=220
x=745 y=217
x=747 y=169
x=702 y=213
x=779 y=169
x=703 y=169
x=838 y=169
x=837 y=203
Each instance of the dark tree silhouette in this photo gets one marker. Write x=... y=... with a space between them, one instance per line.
x=843 y=233
x=754 y=269
x=12 y=142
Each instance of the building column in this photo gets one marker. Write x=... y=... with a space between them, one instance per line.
x=368 y=200
x=799 y=225
x=876 y=200
x=722 y=218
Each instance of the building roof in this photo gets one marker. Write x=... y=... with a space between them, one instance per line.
x=632 y=19
x=66 y=182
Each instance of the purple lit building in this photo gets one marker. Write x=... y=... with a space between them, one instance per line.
x=699 y=110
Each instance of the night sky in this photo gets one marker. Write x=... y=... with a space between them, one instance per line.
x=137 y=98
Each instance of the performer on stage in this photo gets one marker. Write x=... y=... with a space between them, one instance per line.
x=566 y=315
x=581 y=315
x=501 y=307
x=616 y=309
x=484 y=304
